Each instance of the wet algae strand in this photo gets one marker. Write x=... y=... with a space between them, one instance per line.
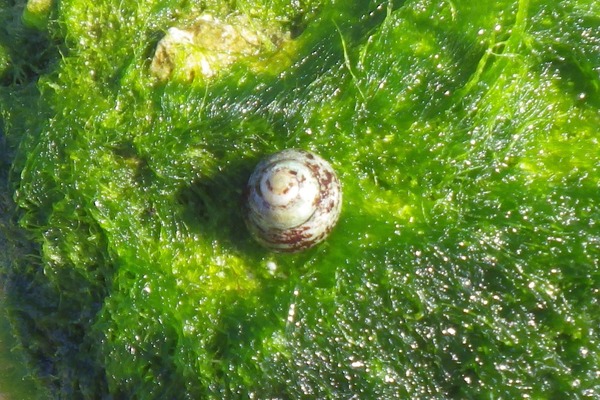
x=465 y=260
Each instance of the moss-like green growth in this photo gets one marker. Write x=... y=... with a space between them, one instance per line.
x=466 y=260
x=5 y=61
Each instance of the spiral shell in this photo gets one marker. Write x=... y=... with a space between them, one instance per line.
x=293 y=200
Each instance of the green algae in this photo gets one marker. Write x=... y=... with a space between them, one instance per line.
x=465 y=262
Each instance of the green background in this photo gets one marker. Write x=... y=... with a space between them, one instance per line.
x=466 y=260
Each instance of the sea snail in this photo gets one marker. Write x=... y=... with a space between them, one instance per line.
x=292 y=201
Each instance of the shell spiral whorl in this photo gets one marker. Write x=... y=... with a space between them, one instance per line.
x=293 y=200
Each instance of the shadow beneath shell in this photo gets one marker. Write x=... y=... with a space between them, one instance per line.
x=213 y=207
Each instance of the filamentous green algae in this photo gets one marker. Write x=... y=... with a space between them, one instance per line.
x=465 y=263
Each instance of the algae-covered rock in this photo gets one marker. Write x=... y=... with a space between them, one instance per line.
x=36 y=13
x=465 y=263
x=210 y=45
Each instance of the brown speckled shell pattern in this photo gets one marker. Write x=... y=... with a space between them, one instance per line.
x=327 y=204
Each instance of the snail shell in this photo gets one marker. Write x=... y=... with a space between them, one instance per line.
x=293 y=200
